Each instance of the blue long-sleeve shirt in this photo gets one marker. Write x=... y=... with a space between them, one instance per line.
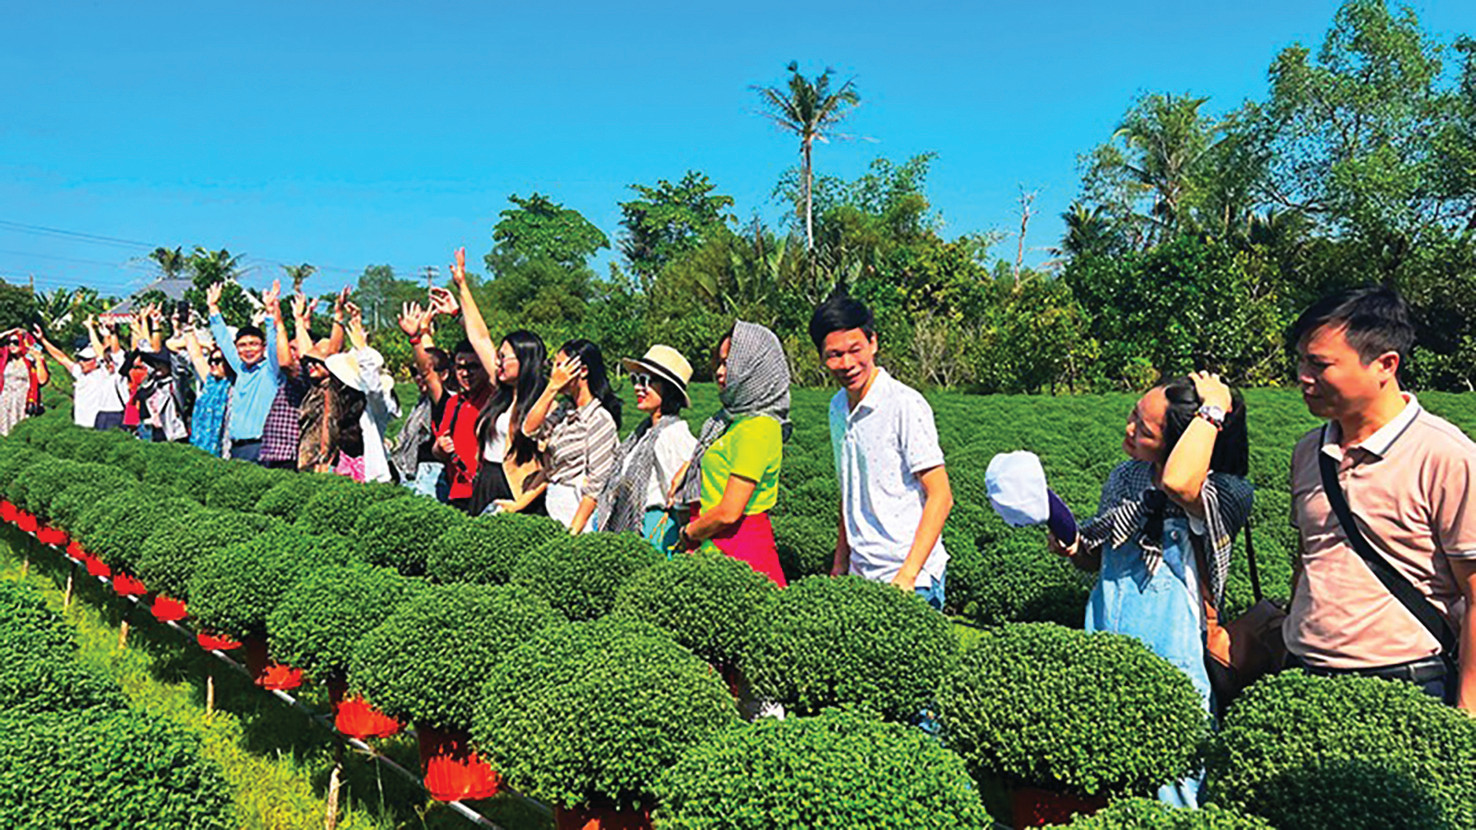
x=255 y=386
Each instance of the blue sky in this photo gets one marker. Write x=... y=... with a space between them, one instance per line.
x=349 y=134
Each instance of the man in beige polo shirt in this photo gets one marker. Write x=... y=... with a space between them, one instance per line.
x=1407 y=475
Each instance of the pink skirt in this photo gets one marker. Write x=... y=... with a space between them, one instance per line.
x=351 y=467
x=752 y=541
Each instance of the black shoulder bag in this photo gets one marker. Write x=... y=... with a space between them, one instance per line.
x=1403 y=590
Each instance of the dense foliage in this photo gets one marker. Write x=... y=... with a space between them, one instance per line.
x=836 y=771
x=485 y=549
x=827 y=641
x=287 y=498
x=426 y=662
x=580 y=575
x=339 y=509
x=706 y=602
x=235 y=588
x=238 y=485
x=1150 y=814
x=591 y=713
x=169 y=557
x=321 y=618
x=396 y=533
x=1350 y=752
x=1046 y=706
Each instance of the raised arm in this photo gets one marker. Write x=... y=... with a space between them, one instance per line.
x=156 y=328
x=357 y=338
x=219 y=331
x=415 y=322
x=197 y=354
x=1188 y=465
x=476 y=327
x=335 y=337
x=302 y=324
x=271 y=299
x=56 y=354
x=563 y=372
x=38 y=360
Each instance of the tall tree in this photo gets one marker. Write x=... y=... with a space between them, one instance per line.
x=171 y=261
x=809 y=109
x=299 y=274
x=538 y=227
x=668 y=221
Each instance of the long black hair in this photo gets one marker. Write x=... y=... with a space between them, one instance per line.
x=1232 y=447
x=349 y=404
x=597 y=377
x=531 y=355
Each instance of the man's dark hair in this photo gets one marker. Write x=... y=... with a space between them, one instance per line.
x=464 y=346
x=840 y=312
x=440 y=361
x=249 y=330
x=1374 y=319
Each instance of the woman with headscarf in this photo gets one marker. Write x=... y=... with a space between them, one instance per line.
x=22 y=374
x=640 y=495
x=734 y=474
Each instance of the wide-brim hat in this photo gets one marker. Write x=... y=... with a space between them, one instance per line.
x=666 y=363
x=345 y=367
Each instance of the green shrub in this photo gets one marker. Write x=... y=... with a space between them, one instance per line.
x=806 y=546
x=1020 y=580
x=28 y=628
x=41 y=481
x=118 y=529
x=37 y=431
x=591 y=713
x=485 y=549
x=162 y=464
x=127 y=454
x=818 y=499
x=705 y=601
x=53 y=683
x=193 y=478
x=287 y=497
x=835 y=641
x=338 y=509
x=579 y=575
x=397 y=533
x=837 y=771
x=168 y=558
x=1149 y=814
x=1345 y=752
x=97 y=483
x=1094 y=713
x=67 y=442
x=239 y=485
x=14 y=457
x=234 y=588
x=102 y=768
x=427 y=661
x=319 y=621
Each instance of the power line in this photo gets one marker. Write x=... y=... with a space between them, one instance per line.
x=90 y=237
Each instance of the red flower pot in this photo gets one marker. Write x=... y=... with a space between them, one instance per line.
x=278 y=676
x=127 y=586
x=7 y=512
x=1034 y=807
x=356 y=718
x=97 y=567
x=601 y=818
x=166 y=609
x=453 y=772
x=54 y=536
x=26 y=521
x=216 y=642
x=75 y=551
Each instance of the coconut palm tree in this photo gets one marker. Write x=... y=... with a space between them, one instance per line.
x=809 y=109
x=171 y=262
x=299 y=274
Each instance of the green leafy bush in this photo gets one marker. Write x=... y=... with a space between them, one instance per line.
x=338 y=509
x=162 y=463
x=234 y=588
x=239 y=485
x=1149 y=814
x=396 y=533
x=193 y=478
x=168 y=558
x=591 y=713
x=836 y=771
x=41 y=480
x=835 y=641
x=485 y=549
x=52 y=682
x=103 y=768
x=1345 y=752
x=705 y=601
x=579 y=575
x=806 y=546
x=1095 y=713
x=97 y=483
x=37 y=431
x=118 y=529
x=128 y=454
x=14 y=457
x=28 y=628
x=319 y=621
x=288 y=497
x=818 y=499
x=428 y=660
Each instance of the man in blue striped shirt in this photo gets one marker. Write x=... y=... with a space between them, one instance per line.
x=253 y=356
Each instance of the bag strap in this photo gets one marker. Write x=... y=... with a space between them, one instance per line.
x=1403 y=590
x=1250 y=560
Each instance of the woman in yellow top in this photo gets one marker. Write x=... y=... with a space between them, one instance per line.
x=734 y=473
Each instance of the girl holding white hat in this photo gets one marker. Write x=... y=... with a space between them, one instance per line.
x=641 y=493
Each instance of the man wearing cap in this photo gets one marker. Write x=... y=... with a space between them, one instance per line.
x=97 y=402
x=894 y=489
x=253 y=357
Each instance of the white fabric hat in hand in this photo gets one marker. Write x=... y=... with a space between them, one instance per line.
x=1017 y=488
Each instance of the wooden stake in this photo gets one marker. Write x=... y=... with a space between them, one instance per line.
x=123 y=634
x=210 y=693
x=330 y=819
x=67 y=594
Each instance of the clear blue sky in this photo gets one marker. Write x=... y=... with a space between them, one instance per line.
x=349 y=134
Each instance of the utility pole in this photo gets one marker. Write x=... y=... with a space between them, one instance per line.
x=430 y=276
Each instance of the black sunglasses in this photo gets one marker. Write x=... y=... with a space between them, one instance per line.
x=641 y=379
x=217 y=361
x=310 y=362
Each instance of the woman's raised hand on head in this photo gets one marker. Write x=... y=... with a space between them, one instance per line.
x=1212 y=391
x=564 y=371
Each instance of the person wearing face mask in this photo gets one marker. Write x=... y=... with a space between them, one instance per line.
x=733 y=477
x=640 y=495
x=578 y=437
x=207 y=420
x=253 y=357
x=1163 y=533
x=22 y=374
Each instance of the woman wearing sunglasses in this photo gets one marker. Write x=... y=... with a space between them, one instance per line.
x=207 y=421
x=22 y=374
x=640 y=495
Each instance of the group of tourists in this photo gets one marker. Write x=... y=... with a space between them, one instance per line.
x=1385 y=578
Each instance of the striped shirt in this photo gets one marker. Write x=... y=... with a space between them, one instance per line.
x=579 y=446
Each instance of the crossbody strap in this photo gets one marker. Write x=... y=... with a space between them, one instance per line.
x=1403 y=590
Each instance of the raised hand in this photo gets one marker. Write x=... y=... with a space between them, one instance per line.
x=564 y=371
x=411 y=319
x=299 y=307
x=458 y=268
x=339 y=303
x=272 y=300
x=444 y=302
x=1212 y=391
x=212 y=297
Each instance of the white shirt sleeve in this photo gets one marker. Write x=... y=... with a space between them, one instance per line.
x=673 y=450
x=918 y=435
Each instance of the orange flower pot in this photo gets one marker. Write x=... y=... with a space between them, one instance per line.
x=356 y=718
x=75 y=551
x=601 y=818
x=278 y=676
x=7 y=512
x=1035 y=807
x=54 y=536
x=216 y=642
x=26 y=521
x=97 y=567
x=127 y=586
x=167 y=609
x=453 y=772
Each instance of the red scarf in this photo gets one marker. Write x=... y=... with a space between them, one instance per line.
x=33 y=393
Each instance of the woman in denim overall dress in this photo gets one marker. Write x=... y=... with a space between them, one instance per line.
x=1162 y=534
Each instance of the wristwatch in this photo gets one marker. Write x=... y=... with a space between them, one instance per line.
x=1214 y=414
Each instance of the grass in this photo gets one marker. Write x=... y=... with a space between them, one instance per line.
x=276 y=758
